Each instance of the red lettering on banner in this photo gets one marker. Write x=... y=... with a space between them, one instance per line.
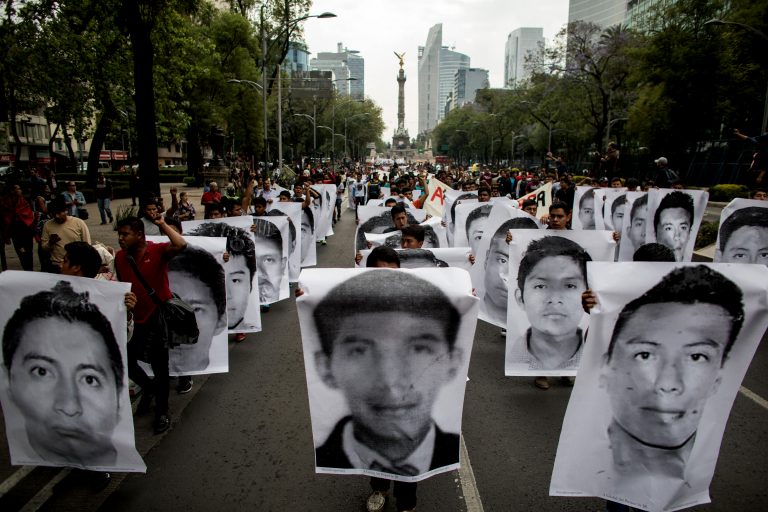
x=438 y=193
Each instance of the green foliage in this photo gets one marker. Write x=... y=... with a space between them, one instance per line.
x=189 y=181
x=727 y=192
x=125 y=211
x=707 y=234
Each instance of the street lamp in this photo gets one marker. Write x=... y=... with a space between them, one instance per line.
x=287 y=30
x=749 y=28
x=333 y=115
x=492 y=141
x=128 y=128
x=345 y=128
x=608 y=129
x=314 y=130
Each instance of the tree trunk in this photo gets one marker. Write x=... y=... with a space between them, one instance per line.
x=51 y=153
x=143 y=80
x=194 y=153
x=68 y=143
x=102 y=129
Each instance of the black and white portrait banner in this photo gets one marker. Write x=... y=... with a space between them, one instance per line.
x=322 y=208
x=610 y=205
x=377 y=220
x=64 y=377
x=491 y=268
x=633 y=225
x=272 y=237
x=386 y=353
x=669 y=344
x=296 y=231
x=452 y=199
x=585 y=209
x=471 y=219
x=674 y=218
x=435 y=258
x=243 y=314
x=743 y=233
x=198 y=277
x=546 y=323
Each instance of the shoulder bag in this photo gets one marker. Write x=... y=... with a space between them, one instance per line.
x=176 y=319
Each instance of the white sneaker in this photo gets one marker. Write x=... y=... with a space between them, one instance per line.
x=376 y=501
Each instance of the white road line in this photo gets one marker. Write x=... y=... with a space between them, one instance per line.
x=762 y=402
x=14 y=479
x=45 y=493
x=468 y=483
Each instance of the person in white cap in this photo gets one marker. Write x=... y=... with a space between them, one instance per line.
x=664 y=175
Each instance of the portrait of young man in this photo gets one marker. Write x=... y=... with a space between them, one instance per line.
x=271 y=246
x=743 y=234
x=384 y=409
x=550 y=280
x=634 y=226
x=199 y=279
x=64 y=382
x=673 y=222
x=586 y=204
x=496 y=276
x=471 y=220
x=666 y=355
x=241 y=271
x=294 y=214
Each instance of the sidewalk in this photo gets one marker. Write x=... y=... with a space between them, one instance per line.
x=106 y=234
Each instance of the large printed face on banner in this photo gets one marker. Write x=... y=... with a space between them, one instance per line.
x=743 y=234
x=647 y=414
x=585 y=206
x=199 y=279
x=390 y=380
x=241 y=269
x=676 y=216
x=496 y=278
x=271 y=247
x=546 y=318
x=292 y=211
x=64 y=373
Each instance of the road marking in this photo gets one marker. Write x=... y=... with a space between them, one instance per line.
x=468 y=482
x=44 y=494
x=14 y=479
x=762 y=402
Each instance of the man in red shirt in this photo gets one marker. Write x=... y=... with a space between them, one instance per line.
x=151 y=260
x=213 y=196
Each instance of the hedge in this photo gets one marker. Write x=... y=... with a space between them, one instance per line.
x=707 y=234
x=727 y=192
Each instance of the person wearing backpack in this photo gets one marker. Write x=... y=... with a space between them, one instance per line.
x=374 y=187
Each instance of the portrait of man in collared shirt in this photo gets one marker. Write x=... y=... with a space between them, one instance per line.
x=664 y=361
x=389 y=346
x=550 y=280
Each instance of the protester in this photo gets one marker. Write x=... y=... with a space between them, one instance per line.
x=61 y=230
x=149 y=260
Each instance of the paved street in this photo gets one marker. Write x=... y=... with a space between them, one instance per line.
x=242 y=440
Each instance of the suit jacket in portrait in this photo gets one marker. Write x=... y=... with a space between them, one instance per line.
x=331 y=453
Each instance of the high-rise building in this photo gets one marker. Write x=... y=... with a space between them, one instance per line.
x=604 y=13
x=451 y=62
x=466 y=84
x=521 y=43
x=297 y=58
x=639 y=13
x=345 y=64
x=438 y=65
x=429 y=78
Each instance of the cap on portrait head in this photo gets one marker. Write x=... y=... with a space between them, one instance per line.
x=383 y=291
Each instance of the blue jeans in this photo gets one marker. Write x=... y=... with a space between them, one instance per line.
x=103 y=205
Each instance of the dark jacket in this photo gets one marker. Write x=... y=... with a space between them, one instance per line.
x=331 y=453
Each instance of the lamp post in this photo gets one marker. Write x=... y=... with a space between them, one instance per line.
x=749 y=28
x=345 y=128
x=314 y=130
x=128 y=129
x=513 y=148
x=333 y=115
x=492 y=141
x=333 y=135
x=287 y=30
x=260 y=89
x=608 y=128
